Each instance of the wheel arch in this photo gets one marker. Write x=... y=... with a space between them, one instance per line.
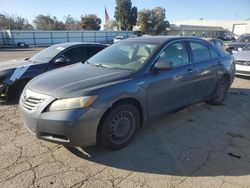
x=127 y=100
x=227 y=76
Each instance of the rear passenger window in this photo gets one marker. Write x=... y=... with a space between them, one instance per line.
x=214 y=54
x=200 y=52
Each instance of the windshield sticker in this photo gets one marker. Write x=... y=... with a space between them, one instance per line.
x=60 y=48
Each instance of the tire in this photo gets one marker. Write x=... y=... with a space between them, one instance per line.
x=119 y=126
x=220 y=92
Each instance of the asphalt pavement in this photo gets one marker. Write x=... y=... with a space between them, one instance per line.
x=200 y=146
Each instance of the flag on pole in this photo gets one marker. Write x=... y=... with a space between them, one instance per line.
x=106 y=16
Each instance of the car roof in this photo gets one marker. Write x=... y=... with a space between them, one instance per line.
x=70 y=44
x=247 y=35
x=159 y=39
x=215 y=39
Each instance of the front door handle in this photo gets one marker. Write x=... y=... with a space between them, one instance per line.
x=190 y=71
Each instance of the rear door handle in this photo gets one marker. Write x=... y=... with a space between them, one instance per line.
x=190 y=71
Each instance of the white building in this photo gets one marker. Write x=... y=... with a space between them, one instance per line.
x=194 y=30
x=235 y=26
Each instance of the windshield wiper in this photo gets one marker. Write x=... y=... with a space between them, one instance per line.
x=99 y=65
x=102 y=65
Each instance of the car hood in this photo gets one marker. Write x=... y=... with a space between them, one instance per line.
x=75 y=80
x=242 y=56
x=5 y=65
x=237 y=44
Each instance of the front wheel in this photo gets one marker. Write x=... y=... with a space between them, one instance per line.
x=220 y=92
x=119 y=126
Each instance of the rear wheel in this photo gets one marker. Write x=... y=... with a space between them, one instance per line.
x=220 y=92
x=119 y=126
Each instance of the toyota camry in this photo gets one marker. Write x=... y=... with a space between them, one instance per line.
x=123 y=87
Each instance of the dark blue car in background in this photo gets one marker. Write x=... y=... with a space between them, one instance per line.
x=15 y=74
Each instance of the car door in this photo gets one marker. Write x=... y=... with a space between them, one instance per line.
x=204 y=70
x=169 y=90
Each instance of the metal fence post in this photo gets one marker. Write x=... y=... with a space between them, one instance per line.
x=34 y=38
x=67 y=36
x=12 y=39
x=2 y=38
x=95 y=35
x=82 y=36
x=106 y=33
x=51 y=37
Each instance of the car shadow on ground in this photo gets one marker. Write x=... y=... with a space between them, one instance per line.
x=243 y=77
x=202 y=140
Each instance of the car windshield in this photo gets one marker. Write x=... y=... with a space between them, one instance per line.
x=247 y=48
x=124 y=55
x=47 y=54
x=244 y=39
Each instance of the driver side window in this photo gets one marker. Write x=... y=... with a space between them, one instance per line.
x=176 y=53
x=75 y=55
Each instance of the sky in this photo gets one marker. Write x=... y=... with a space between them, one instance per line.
x=175 y=9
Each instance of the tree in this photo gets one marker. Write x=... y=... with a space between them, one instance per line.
x=91 y=22
x=132 y=18
x=125 y=14
x=14 y=22
x=152 y=21
x=158 y=20
x=145 y=21
x=5 y=22
x=58 y=25
x=43 y=22
x=111 y=25
x=71 y=23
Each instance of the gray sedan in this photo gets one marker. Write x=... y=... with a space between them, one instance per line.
x=125 y=86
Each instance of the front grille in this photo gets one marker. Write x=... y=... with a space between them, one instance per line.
x=246 y=63
x=31 y=103
x=32 y=100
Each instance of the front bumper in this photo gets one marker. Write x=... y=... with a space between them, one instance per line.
x=76 y=127
x=243 y=70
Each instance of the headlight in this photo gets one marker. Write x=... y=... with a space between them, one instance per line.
x=71 y=103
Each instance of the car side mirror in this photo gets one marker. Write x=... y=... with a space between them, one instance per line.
x=163 y=65
x=60 y=60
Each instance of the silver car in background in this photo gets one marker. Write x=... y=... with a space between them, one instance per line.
x=243 y=61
